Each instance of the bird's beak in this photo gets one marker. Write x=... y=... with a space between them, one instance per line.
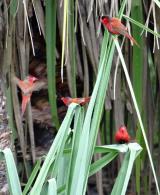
x=100 y=19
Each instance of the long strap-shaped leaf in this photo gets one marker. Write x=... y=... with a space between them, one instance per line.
x=137 y=80
x=12 y=175
x=51 y=57
x=32 y=177
x=100 y=163
x=142 y=26
x=52 y=187
x=122 y=180
x=78 y=121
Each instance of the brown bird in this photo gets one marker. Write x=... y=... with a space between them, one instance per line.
x=81 y=101
x=115 y=27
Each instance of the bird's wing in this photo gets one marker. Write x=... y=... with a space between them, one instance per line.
x=120 y=28
x=38 y=85
x=21 y=84
x=115 y=20
x=33 y=87
x=117 y=25
x=27 y=87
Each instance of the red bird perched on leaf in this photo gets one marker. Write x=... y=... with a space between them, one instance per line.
x=27 y=86
x=122 y=135
x=114 y=26
x=81 y=101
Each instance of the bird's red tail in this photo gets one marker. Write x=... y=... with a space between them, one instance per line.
x=25 y=100
x=132 y=39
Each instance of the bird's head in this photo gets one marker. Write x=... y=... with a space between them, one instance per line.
x=122 y=129
x=105 y=19
x=65 y=100
x=31 y=79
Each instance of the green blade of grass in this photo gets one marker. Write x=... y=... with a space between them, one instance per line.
x=52 y=187
x=6 y=74
x=61 y=150
x=9 y=106
x=14 y=7
x=32 y=177
x=152 y=72
x=51 y=57
x=78 y=121
x=122 y=180
x=61 y=189
x=71 y=67
x=64 y=37
x=63 y=169
x=141 y=26
x=137 y=75
x=111 y=148
x=136 y=13
x=99 y=164
x=79 y=164
x=12 y=175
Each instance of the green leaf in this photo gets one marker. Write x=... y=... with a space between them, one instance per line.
x=32 y=177
x=78 y=123
x=112 y=148
x=99 y=164
x=122 y=180
x=63 y=169
x=52 y=187
x=12 y=175
x=51 y=57
x=64 y=35
x=137 y=75
x=71 y=67
x=141 y=26
x=14 y=7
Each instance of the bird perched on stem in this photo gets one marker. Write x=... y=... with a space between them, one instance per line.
x=81 y=101
x=122 y=136
x=115 y=27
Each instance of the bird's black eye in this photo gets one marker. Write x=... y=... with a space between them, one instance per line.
x=102 y=17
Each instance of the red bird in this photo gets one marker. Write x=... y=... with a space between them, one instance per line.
x=122 y=135
x=27 y=86
x=81 y=101
x=114 y=26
